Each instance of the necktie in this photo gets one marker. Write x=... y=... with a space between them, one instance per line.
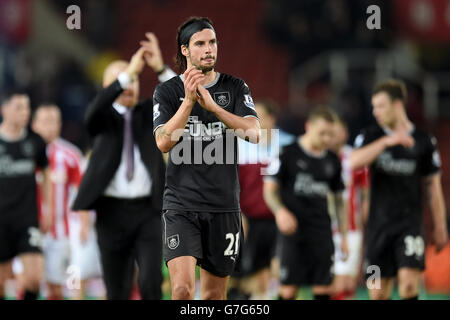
x=128 y=145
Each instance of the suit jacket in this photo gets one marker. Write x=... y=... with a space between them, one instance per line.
x=105 y=126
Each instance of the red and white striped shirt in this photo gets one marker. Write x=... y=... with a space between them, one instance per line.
x=65 y=163
x=354 y=181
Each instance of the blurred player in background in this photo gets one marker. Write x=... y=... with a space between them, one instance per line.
x=65 y=161
x=260 y=227
x=399 y=155
x=356 y=199
x=84 y=252
x=65 y=173
x=22 y=153
x=201 y=213
x=297 y=190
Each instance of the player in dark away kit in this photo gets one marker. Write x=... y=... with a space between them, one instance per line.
x=22 y=154
x=303 y=187
x=201 y=215
x=399 y=155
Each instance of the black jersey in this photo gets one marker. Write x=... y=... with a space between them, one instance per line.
x=202 y=172
x=19 y=161
x=305 y=181
x=396 y=177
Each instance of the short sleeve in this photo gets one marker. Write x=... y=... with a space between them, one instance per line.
x=163 y=110
x=276 y=170
x=362 y=139
x=431 y=161
x=41 y=153
x=244 y=103
x=336 y=183
x=75 y=170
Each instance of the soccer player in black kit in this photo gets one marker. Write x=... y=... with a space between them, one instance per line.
x=22 y=154
x=303 y=186
x=400 y=155
x=193 y=115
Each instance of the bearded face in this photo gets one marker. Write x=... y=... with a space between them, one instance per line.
x=202 y=50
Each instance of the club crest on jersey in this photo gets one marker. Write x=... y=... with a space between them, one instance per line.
x=156 y=111
x=222 y=98
x=248 y=101
x=302 y=164
x=173 y=241
x=27 y=148
x=328 y=169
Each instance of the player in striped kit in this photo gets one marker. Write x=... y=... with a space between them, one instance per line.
x=65 y=167
x=356 y=196
x=84 y=251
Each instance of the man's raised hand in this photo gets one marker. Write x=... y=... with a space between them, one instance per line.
x=152 y=54
x=136 y=64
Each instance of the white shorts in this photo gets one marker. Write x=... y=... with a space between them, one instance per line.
x=56 y=255
x=352 y=264
x=84 y=257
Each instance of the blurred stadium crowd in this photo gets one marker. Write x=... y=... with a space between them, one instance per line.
x=297 y=54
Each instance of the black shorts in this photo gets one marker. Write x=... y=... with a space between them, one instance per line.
x=18 y=234
x=259 y=246
x=306 y=261
x=392 y=249
x=212 y=238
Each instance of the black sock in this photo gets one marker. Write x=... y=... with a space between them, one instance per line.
x=281 y=298
x=30 y=295
x=321 y=297
x=412 y=298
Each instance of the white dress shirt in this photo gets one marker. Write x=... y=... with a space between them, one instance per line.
x=141 y=184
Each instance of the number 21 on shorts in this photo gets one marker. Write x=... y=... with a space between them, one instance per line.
x=234 y=241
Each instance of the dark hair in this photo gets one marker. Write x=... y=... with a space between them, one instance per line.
x=324 y=113
x=396 y=89
x=184 y=33
x=269 y=105
x=6 y=95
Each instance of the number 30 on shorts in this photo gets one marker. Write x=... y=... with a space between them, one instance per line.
x=414 y=245
x=234 y=240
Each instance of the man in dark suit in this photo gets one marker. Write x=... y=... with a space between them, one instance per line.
x=124 y=180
